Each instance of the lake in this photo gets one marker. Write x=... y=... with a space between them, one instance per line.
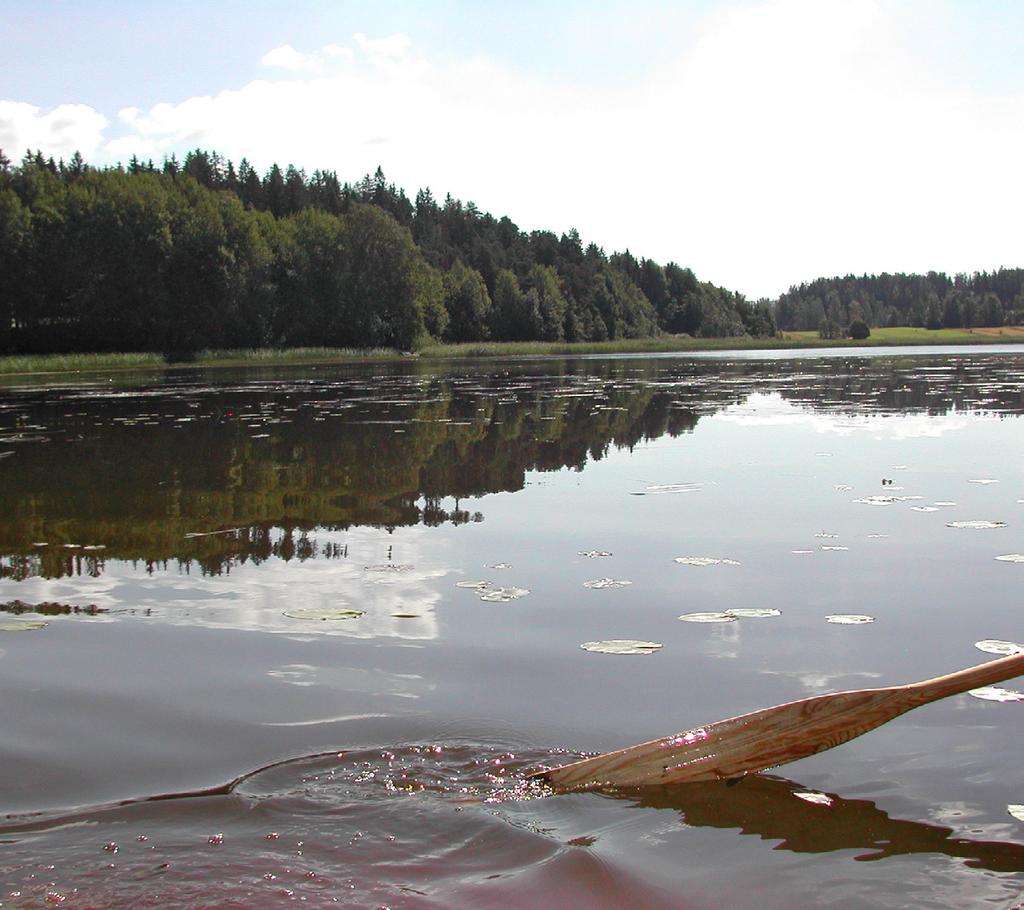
x=306 y=629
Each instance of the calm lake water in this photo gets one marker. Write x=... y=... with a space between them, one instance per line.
x=172 y=737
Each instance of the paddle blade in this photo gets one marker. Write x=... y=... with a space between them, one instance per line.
x=740 y=745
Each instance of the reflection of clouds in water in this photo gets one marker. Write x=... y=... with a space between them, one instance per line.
x=255 y=597
x=772 y=410
x=295 y=674
x=816 y=682
x=724 y=641
x=364 y=680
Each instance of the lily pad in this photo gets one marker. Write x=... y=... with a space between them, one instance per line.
x=621 y=646
x=708 y=617
x=809 y=796
x=501 y=565
x=323 y=615
x=27 y=625
x=997 y=693
x=477 y=585
x=983 y=480
x=389 y=567
x=1017 y=811
x=704 y=561
x=594 y=554
x=835 y=549
x=1011 y=557
x=801 y=552
x=975 y=525
x=924 y=509
x=754 y=612
x=849 y=619
x=606 y=583
x=503 y=595
x=996 y=646
x=878 y=500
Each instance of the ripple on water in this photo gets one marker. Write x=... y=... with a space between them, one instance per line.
x=413 y=826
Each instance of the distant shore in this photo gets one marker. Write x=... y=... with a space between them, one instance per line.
x=895 y=337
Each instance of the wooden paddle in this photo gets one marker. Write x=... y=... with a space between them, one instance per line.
x=773 y=736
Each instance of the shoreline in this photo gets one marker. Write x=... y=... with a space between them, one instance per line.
x=60 y=364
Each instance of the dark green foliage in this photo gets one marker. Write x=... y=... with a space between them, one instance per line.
x=858 y=330
x=828 y=329
x=933 y=300
x=467 y=303
x=194 y=254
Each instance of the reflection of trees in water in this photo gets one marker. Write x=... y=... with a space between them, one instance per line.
x=769 y=808
x=139 y=470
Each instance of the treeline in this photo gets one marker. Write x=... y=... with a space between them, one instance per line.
x=200 y=254
x=933 y=301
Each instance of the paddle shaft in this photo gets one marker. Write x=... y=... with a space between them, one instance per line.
x=994 y=671
x=772 y=736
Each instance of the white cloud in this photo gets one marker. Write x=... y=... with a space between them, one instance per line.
x=392 y=46
x=286 y=57
x=788 y=139
x=59 y=132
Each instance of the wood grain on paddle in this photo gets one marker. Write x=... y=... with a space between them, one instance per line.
x=769 y=737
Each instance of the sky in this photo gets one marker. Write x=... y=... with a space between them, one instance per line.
x=761 y=143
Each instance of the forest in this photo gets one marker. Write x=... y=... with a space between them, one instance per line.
x=200 y=254
x=931 y=301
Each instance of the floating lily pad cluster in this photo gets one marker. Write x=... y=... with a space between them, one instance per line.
x=621 y=646
x=22 y=625
x=997 y=693
x=731 y=615
x=491 y=593
x=606 y=583
x=324 y=615
x=704 y=561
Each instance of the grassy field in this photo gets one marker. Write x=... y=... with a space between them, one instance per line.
x=901 y=336
x=907 y=335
